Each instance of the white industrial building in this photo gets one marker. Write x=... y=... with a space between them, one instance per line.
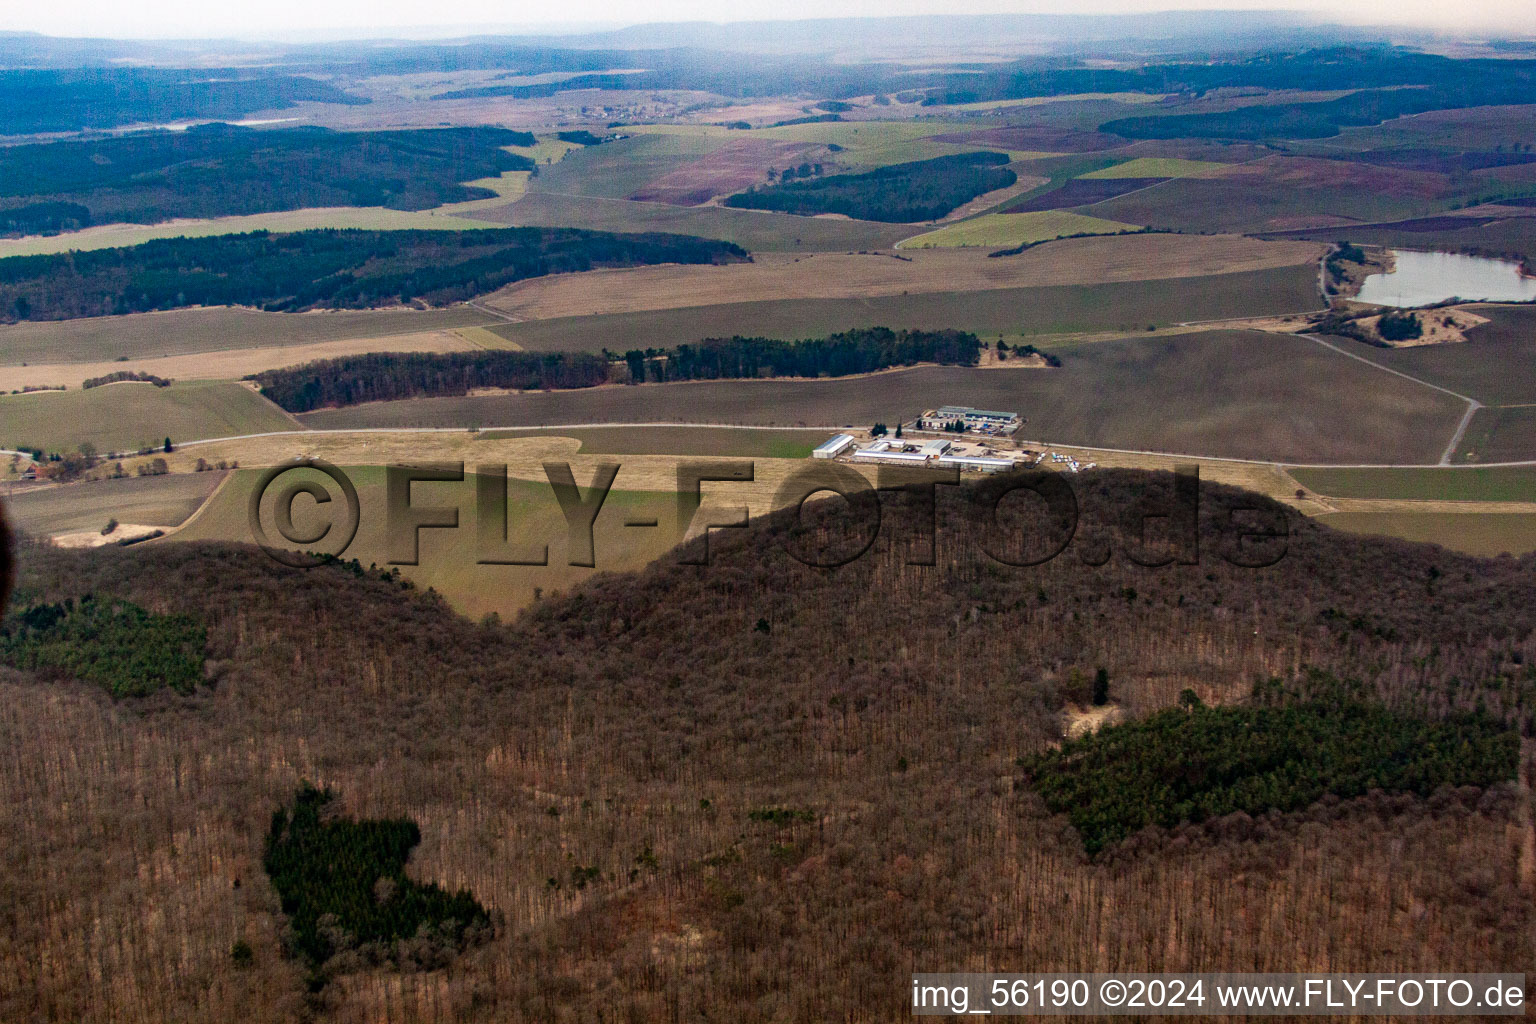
x=975 y=455
x=984 y=463
x=833 y=447
x=887 y=451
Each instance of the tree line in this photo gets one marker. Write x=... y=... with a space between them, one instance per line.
x=125 y=649
x=46 y=218
x=343 y=885
x=919 y=190
x=218 y=170
x=382 y=376
x=326 y=268
x=120 y=376
x=863 y=350
x=1327 y=68
x=68 y=99
x=1317 y=120
x=1193 y=763
x=609 y=705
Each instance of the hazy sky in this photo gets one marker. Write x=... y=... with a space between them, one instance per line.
x=202 y=18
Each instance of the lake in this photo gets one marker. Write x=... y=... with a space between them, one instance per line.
x=1425 y=278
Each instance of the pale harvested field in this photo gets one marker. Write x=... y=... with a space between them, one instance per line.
x=213 y=329
x=758 y=230
x=237 y=363
x=111 y=236
x=663 y=440
x=848 y=275
x=158 y=501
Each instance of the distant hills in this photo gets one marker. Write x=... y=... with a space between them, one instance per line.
x=856 y=37
x=988 y=32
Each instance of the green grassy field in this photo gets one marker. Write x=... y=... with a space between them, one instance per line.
x=615 y=169
x=1226 y=393
x=187 y=331
x=1126 y=306
x=714 y=441
x=1008 y=229
x=142 y=500
x=870 y=144
x=1157 y=167
x=546 y=149
x=125 y=417
x=1512 y=483
x=1485 y=534
x=1506 y=434
x=448 y=559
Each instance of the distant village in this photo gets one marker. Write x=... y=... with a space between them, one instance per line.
x=949 y=437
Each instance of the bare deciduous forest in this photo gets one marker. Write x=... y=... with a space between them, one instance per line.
x=607 y=774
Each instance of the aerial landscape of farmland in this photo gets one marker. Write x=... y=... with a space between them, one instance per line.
x=672 y=519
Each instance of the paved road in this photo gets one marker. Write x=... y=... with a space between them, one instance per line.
x=837 y=429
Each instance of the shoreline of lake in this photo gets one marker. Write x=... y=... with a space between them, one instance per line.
x=1426 y=278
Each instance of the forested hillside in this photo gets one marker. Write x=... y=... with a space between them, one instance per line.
x=1194 y=763
x=218 y=170
x=110 y=96
x=1450 y=82
x=756 y=790
x=1323 y=119
x=70 y=99
x=330 y=269
x=1364 y=66
x=920 y=190
x=348 y=899
x=390 y=375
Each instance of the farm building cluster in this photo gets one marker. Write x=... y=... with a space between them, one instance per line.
x=978 y=440
x=962 y=419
